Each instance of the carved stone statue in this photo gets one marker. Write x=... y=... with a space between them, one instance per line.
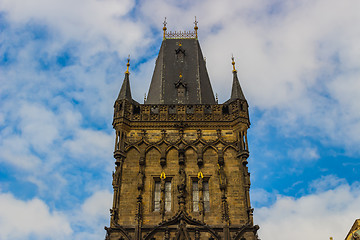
x=140 y=180
x=115 y=176
x=222 y=178
x=114 y=216
x=182 y=182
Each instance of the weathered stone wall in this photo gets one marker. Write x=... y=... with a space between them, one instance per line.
x=151 y=143
x=128 y=192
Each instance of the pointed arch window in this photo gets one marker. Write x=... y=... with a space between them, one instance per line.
x=162 y=195
x=200 y=195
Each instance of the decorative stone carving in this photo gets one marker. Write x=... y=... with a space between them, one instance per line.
x=114 y=216
x=222 y=178
x=182 y=188
x=140 y=179
x=181 y=154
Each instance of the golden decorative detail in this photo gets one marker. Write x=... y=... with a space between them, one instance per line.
x=196 y=28
x=180 y=34
x=164 y=28
x=180 y=76
x=233 y=63
x=200 y=175
x=162 y=175
x=128 y=64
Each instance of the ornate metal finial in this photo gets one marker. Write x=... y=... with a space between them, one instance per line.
x=196 y=28
x=128 y=64
x=180 y=75
x=164 y=28
x=216 y=98
x=162 y=175
x=144 y=98
x=233 y=63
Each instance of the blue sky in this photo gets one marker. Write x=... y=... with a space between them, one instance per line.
x=61 y=67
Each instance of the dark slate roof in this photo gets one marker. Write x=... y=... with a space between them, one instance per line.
x=236 y=92
x=125 y=92
x=180 y=56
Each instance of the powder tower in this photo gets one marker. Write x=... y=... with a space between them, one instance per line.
x=181 y=157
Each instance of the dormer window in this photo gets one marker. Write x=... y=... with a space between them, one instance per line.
x=181 y=91
x=180 y=53
x=181 y=87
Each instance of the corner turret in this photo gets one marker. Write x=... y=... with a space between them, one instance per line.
x=125 y=91
x=236 y=91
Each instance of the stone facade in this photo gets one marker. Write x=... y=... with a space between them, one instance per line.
x=181 y=169
x=171 y=139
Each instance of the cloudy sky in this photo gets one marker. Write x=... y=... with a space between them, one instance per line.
x=62 y=63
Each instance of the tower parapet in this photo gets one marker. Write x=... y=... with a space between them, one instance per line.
x=194 y=114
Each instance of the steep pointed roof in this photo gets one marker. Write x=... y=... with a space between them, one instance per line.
x=180 y=66
x=236 y=91
x=125 y=91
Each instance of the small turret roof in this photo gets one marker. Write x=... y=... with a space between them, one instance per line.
x=125 y=91
x=236 y=91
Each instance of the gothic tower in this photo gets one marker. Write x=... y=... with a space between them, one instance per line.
x=181 y=158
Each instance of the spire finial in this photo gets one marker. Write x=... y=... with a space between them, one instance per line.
x=128 y=65
x=216 y=98
x=164 y=28
x=196 y=28
x=233 y=63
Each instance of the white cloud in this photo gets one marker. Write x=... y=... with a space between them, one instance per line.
x=89 y=21
x=24 y=219
x=32 y=219
x=93 y=215
x=306 y=154
x=260 y=197
x=329 y=213
x=15 y=150
x=326 y=183
x=38 y=125
x=90 y=143
x=98 y=205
